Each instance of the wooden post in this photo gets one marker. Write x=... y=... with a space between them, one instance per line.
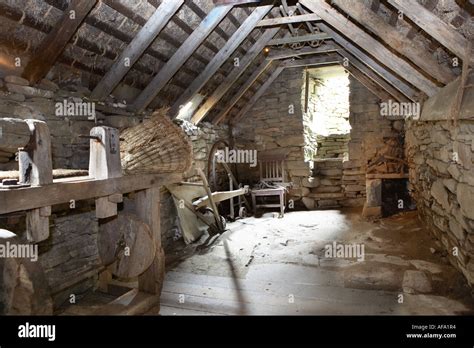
x=104 y=163
x=148 y=209
x=36 y=169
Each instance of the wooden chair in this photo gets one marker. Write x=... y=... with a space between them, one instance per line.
x=272 y=171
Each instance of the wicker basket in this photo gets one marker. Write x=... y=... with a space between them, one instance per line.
x=155 y=146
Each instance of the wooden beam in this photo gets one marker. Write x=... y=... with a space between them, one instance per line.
x=193 y=41
x=55 y=42
x=234 y=2
x=258 y=94
x=135 y=49
x=317 y=60
x=434 y=26
x=284 y=53
x=78 y=188
x=148 y=209
x=303 y=38
x=222 y=89
x=310 y=17
x=362 y=14
x=231 y=45
x=351 y=60
x=366 y=42
x=244 y=88
x=368 y=83
x=399 y=84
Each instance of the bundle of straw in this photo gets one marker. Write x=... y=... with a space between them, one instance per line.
x=155 y=146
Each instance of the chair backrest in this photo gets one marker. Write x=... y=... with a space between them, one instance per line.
x=272 y=168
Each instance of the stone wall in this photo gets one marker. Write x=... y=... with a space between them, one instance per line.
x=441 y=166
x=275 y=124
x=69 y=151
x=270 y=127
x=70 y=256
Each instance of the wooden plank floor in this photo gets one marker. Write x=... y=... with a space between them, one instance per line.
x=270 y=266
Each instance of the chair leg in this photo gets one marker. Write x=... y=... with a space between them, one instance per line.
x=254 y=204
x=282 y=204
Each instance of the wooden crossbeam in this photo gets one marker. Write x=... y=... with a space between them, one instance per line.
x=244 y=88
x=278 y=53
x=362 y=14
x=303 y=38
x=135 y=49
x=310 y=17
x=193 y=41
x=231 y=45
x=351 y=60
x=399 y=84
x=368 y=43
x=78 y=188
x=312 y=61
x=55 y=42
x=258 y=94
x=434 y=26
x=222 y=89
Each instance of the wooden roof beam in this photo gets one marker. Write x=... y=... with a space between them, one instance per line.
x=241 y=91
x=258 y=94
x=362 y=14
x=351 y=60
x=136 y=48
x=368 y=83
x=401 y=85
x=215 y=16
x=55 y=42
x=115 y=33
x=222 y=89
x=434 y=26
x=365 y=41
x=231 y=45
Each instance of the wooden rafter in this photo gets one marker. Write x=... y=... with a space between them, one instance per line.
x=399 y=84
x=222 y=89
x=434 y=26
x=55 y=42
x=362 y=14
x=193 y=41
x=351 y=60
x=258 y=94
x=244 y=88
x=368 y=43
x=368 y=83
x=135 y=49
x=231 y=45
